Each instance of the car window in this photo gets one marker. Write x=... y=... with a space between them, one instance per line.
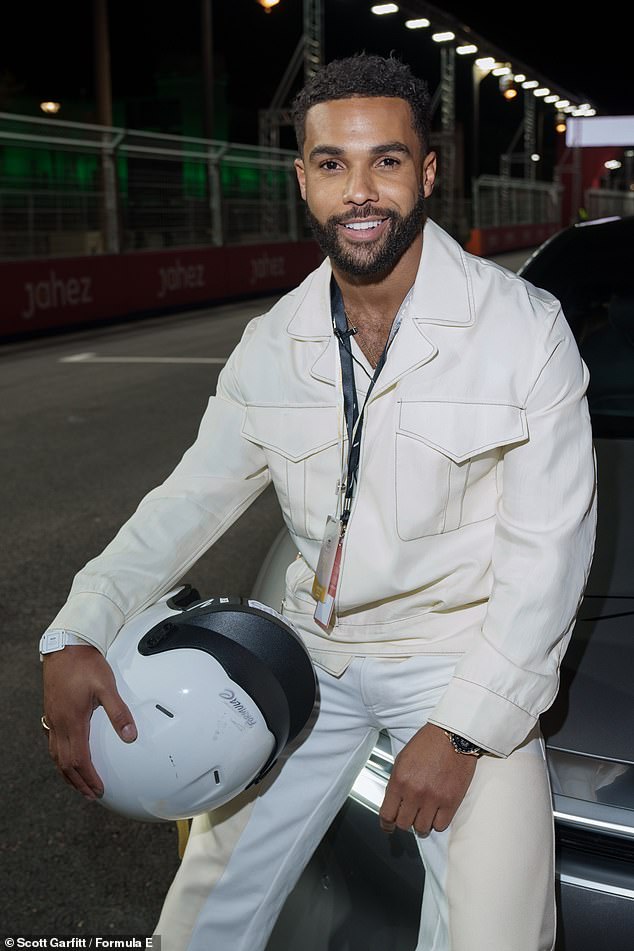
x=590 y=269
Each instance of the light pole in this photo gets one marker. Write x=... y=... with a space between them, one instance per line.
x=103 y=89
x=207 y=49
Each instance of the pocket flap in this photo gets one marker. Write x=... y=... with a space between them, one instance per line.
x=296 y=432
x=463 y=430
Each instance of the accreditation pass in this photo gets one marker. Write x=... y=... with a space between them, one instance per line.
x=327 y=574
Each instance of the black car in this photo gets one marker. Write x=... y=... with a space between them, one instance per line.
x=362 y=889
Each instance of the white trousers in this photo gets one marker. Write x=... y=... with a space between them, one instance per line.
x=489 y=878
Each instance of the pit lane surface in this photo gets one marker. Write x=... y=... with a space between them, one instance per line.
x=90 y=422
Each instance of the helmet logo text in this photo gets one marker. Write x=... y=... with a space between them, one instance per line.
x=229 y=696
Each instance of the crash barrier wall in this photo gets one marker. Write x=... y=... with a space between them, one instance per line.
x=47 y=294
x=488 y=241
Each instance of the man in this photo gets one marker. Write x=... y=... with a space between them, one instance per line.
x=428 y=408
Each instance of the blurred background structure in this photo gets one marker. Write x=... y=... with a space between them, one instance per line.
x=153 y=127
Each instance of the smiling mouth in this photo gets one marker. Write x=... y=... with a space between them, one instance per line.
x=364 y=225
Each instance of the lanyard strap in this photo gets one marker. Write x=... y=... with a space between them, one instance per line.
x=354 y=417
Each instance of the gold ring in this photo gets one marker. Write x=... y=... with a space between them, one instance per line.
x=44 y=723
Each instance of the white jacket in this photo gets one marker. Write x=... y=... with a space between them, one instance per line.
x=473 y=522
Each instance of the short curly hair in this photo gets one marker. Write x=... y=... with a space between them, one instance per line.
x=368 y=76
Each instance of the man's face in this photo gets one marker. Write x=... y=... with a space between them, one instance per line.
x=364 y=178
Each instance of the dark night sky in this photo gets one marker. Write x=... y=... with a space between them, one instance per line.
x=48 y=47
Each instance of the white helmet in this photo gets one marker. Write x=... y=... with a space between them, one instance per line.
x=217 y=689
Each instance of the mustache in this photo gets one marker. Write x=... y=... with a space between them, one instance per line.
x=360 y=213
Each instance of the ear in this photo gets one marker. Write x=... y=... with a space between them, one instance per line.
x=429 y=173
x=301 y=177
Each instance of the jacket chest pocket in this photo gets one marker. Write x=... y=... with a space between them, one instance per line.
x=446 y=459
x=302 y=449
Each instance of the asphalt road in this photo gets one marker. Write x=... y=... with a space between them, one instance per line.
x=90 y=422
x=83 y=441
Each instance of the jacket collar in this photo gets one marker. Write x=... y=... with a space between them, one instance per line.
x=442 y=295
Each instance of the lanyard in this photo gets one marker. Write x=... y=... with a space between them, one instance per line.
x=354 y=417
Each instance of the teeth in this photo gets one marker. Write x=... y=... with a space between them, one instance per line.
x=363 y=225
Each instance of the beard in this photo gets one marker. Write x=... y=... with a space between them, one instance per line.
x=377 y=257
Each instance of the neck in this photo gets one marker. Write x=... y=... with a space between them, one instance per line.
x=377 y=299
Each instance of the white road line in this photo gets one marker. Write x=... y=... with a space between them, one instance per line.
x=93 y=358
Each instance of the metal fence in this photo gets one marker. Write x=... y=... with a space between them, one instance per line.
x=500 y=200
x=71 y=188
x=604 y=202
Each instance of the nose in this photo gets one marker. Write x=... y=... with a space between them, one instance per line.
x=360 y=187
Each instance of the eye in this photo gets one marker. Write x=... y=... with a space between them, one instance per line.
x=388 y=162
x=330 y=165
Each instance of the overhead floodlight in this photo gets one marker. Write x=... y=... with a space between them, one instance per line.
x=612 y=165
x=267 y=4
x=552 y=98
x=50 y=108
x=443 y=37
x=520 y=78
x=507 y=86
x=380 y=9
x=536 y=157
x=485 y=62
x=562 y=103
x=501 y=71
x=468 y=48
x=530 y=84
x=541 y=92
x=420 y=24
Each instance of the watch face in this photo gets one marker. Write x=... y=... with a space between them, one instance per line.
x=51 y=642
x=464 y=746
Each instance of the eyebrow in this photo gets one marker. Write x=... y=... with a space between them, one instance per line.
x=336 y=151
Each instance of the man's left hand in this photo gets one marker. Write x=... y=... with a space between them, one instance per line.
x=428 y=782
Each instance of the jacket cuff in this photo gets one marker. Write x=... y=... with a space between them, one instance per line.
x=91 y=616
x=487 y=719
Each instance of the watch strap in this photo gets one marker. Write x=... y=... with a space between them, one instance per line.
x=57 y=640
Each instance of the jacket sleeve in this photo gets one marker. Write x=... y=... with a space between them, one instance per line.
x=543 y=546
x=213 y=484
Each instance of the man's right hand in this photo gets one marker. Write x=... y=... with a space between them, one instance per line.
x=78 y=679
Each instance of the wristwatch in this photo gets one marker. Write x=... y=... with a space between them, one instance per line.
x=57 y=640
x=461 y=745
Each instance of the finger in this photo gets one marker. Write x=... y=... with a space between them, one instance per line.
x=424 y=822
x=119 y=714
x=69 y=749
x=406 y=815
x=389 y=808
x=443 y=818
